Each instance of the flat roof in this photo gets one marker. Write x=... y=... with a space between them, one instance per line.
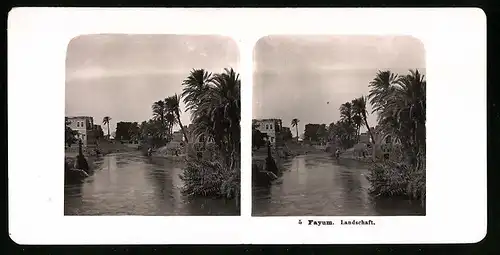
x=79 y=117
x=265 y=119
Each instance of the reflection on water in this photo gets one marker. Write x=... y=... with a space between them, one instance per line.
x=129 y=184
x=318 y=185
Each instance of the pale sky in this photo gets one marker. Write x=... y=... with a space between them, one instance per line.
x=295 y=76
x=121 y=76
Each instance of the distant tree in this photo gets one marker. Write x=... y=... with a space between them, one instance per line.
x=322 y=133
x=159 y=112
x=122 y=129
x=347 y=123
x=172 y=105
x=286 y=134
x=98 y=133
x=359 y=109
x=315 y=132
x=133 y=131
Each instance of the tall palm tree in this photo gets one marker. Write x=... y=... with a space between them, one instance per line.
x=381 y=88
x=105 y=121
x=401 y=105
x=194 y=87
x=173 y=107
x=158 y=108
x=359 y=109
x=295 y=123
x=346 y=116
x=357 y=120
x=170 y=120
x=217 y=113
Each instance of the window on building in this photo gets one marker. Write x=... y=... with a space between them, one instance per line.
x=272 y=139
x=271 y=126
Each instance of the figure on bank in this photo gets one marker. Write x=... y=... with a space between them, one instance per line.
x=270 y=163
x=81 y=162
x=337 y=153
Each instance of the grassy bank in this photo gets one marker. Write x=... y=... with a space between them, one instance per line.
x=398 y=179
x=212 y=178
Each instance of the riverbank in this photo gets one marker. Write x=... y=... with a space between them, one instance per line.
x=73 y=175
x=104 y=149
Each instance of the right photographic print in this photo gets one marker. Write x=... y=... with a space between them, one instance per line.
x=338 y=126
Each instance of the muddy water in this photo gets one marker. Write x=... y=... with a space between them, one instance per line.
x=317 y=184
x=131 y=184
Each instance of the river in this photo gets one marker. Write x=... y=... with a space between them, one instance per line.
x=131 y=184
x=318 y=185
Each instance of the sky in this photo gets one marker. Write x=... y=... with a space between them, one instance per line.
x=121 y=76
x=309 y=77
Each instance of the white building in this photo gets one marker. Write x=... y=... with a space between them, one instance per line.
x=270 y=127
x=84 y=126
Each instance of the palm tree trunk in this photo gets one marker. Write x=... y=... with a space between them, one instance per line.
x=162 y=126
x=297 y=130
x=182 y=128
x=369 y=129
x=108 y=130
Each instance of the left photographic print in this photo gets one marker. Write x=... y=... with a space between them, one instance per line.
x=152 y=125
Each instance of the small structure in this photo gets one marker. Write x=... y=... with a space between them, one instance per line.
x=198 y=142
x=385 y=144
x=270 y=127
x=84 y=125
x=177 y=136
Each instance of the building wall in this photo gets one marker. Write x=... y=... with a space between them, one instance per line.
x=84 y=126
x=364 y=138
x=268 y=127
x=177 y=136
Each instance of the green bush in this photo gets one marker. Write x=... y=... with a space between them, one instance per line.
x=393 y=179
x=210 y=178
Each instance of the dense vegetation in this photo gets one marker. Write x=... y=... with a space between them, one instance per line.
x=215 y=105
x=400 y=101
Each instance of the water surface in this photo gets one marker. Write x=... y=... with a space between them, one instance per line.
x=318 y=185
x=130 y=184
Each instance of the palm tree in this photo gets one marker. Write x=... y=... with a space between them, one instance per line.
x=295 y=123
x=401 y=105
x=170 y=120
x=158 y=108
x=346 y=116
x=194 y=87
x=381 y=88
x=359 y=109
x=217 y=113
x=105 y=121
x=172 y=105
x=357 y=120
